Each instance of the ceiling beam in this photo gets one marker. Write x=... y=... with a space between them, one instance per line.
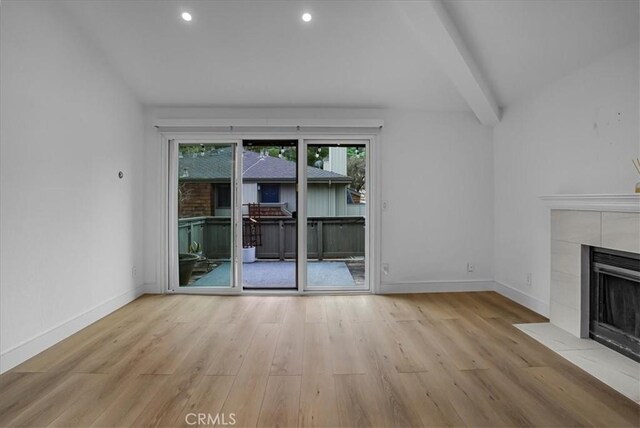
x=434 y=27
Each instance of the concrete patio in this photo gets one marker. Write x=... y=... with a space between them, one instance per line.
x=276 y=274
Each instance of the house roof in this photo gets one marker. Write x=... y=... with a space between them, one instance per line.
x=216 y=166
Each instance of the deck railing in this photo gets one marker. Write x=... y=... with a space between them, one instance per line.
x=327 y=237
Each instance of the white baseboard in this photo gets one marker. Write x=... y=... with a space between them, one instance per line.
x=512 y=293
x=152 y=288
x=524 y=299
x=437 y=286
x=27 y=349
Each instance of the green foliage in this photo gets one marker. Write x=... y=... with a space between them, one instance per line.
x=195 y=247
x=290 y=153
x=191 y=149
x=316 y=153
x=356 y=169
x=355 y=151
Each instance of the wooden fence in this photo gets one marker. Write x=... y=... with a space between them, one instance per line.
x=327 y=237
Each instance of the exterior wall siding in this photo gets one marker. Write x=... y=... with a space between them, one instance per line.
x=324 y=200
x=319 y=203
x=288 y=196
x=249 y=193
x=340 y=194
x=195 y=200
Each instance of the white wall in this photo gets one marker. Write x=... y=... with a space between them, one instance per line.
x=436 y=175
x=565 y=139
x=71 y=231
x=438 y=180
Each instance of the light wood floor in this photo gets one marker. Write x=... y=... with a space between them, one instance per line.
x=406 y=360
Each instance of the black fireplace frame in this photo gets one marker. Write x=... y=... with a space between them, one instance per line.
x=623 y=265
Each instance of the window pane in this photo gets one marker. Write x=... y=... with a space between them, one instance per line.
x=224 y=196
x=270 y=193
x=336 y=210
x=269 y=225
x=205 y=232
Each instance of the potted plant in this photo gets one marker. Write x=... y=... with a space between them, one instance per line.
x=186 y=263
x=196 y=248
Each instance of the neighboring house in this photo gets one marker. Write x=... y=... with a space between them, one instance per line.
x=205 y=186
x=354 y=196
x=356 y=202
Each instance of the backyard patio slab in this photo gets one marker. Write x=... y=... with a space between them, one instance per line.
x=280 y=274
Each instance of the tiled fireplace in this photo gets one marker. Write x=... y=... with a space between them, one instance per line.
x=573 y=233
x=588 y=234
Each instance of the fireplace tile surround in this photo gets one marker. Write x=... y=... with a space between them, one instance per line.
x=578 y=222
x=572 y=231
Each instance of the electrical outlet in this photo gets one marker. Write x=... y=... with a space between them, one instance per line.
x=529 y=278
x=134 y=272
x=470 y=267
x=385 y=268
x=385 y=205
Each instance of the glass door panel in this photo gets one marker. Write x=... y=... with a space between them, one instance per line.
x=205 y=220
x=269 y=220
x=336 y=213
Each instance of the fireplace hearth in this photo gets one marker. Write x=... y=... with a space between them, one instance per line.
x=614 y=295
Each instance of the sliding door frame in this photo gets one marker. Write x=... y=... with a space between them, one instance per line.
x=236 y=217
x=266 y=142
x=303 y=145
x=168 y=266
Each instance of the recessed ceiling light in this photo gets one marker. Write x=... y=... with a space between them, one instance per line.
x=306 y=17
x=186 y=16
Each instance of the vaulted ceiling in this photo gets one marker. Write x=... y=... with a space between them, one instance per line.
x=352 y=54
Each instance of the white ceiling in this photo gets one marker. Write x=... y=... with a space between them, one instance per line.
x=523 y=45
x=353 y=53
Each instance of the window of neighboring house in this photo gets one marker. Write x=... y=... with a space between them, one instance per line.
x=269 y=193
x=223 y=197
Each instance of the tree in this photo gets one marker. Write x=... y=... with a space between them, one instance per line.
x=315 y=153
x=290 y=153
x=189 y=150
x=356 y=169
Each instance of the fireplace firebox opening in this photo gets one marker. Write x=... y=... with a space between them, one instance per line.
x=614 y=300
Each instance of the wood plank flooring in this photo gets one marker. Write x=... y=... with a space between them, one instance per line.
x=442 y=359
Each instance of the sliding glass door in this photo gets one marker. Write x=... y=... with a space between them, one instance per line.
x=288 y=215
x=269 y=214
x=203 y=187
x=336 y=212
